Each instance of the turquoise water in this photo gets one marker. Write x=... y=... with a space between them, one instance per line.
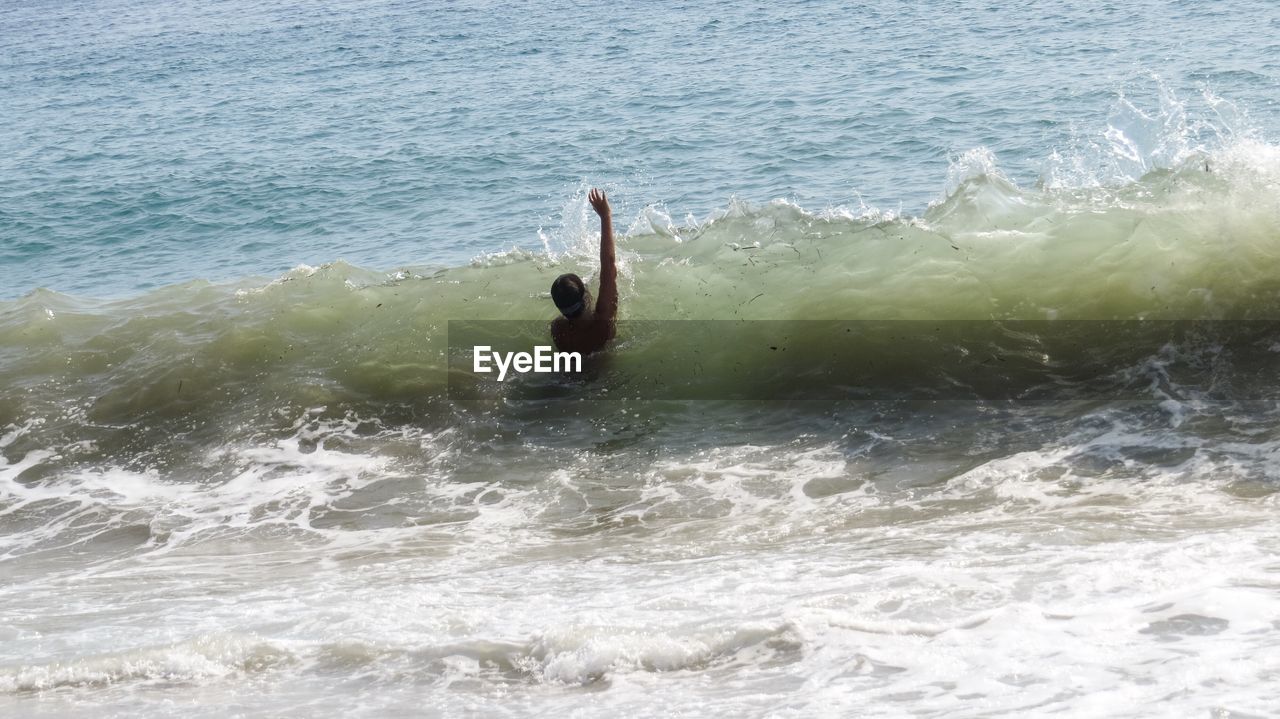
x=237 y=477
x=150 y=143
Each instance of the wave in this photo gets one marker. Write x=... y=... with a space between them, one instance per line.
x=570 y=655
x=202 y=658
x=1199 y=241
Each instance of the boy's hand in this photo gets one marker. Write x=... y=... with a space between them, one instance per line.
x=599 y=202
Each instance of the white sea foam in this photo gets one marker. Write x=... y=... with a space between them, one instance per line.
x=202 y=659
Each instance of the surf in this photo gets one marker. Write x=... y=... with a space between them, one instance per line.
x=1200 y=241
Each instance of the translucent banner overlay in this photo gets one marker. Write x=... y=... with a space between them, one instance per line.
x=848 y=359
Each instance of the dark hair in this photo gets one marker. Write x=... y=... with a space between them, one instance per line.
x=569 y=294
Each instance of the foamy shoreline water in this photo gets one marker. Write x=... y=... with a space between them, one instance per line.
x=823 y=575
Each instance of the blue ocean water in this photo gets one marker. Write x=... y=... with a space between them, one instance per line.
x=147 y=143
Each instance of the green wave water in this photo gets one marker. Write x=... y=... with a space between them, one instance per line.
x=1198 y=242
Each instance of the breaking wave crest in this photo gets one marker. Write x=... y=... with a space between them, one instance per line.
x=1200 y=240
